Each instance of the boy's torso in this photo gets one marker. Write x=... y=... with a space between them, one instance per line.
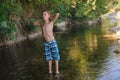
x=47 y=31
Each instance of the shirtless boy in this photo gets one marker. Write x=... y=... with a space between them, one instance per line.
x=50 y=44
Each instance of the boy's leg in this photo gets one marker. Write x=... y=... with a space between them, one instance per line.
x=48 y=56
x=56 y=56
x=57 y=67
x=50 y=66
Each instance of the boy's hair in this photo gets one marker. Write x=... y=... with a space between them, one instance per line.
x=51 y=16
x=46 y=11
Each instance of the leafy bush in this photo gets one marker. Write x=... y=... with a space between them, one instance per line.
x=74 y=9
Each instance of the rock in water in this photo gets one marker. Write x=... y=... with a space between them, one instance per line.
x=116 y=51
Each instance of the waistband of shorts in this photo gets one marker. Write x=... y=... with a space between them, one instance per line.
x=50 y=41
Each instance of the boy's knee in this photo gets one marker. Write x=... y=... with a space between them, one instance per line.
x=56 y=57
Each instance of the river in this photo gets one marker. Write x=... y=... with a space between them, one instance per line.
x=85 y=55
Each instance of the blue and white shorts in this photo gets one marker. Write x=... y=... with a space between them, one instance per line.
x=51 y=50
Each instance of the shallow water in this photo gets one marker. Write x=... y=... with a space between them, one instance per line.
x=85 y=55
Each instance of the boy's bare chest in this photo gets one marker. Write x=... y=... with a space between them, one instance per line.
x=47 y=27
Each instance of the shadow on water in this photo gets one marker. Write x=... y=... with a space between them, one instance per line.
x=85 y=55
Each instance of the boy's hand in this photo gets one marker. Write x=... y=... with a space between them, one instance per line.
x=57 y=14
x=36 y=23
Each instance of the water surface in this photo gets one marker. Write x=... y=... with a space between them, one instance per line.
x=85 y=55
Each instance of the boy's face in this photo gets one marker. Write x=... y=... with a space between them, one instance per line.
x=45 y=15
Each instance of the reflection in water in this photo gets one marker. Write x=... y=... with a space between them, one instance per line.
x=79 y=60
x=85 y=55
x=112 y=65
x=92 y=41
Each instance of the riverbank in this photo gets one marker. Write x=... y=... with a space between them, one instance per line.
x=59 y=27
x=20 y=39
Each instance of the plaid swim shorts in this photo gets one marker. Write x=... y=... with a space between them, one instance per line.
x=51 y=50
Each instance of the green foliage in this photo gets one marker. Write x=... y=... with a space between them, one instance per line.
x=7 y=30
x=74 y=9
x=8 y=8
x=89 y=8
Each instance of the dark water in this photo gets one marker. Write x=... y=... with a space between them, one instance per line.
x=85 y=55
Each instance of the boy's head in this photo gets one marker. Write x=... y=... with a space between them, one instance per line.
x=45 y=15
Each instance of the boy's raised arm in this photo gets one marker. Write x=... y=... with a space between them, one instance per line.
x=55 y=17
x=37 y=23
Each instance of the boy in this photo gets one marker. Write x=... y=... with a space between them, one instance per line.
x=50 y=44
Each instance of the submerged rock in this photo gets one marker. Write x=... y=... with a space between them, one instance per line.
x=62 y=26
x=111 y=36
x=116 y=51
x=113 y=33
x=115 y=29
x=95 y=21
